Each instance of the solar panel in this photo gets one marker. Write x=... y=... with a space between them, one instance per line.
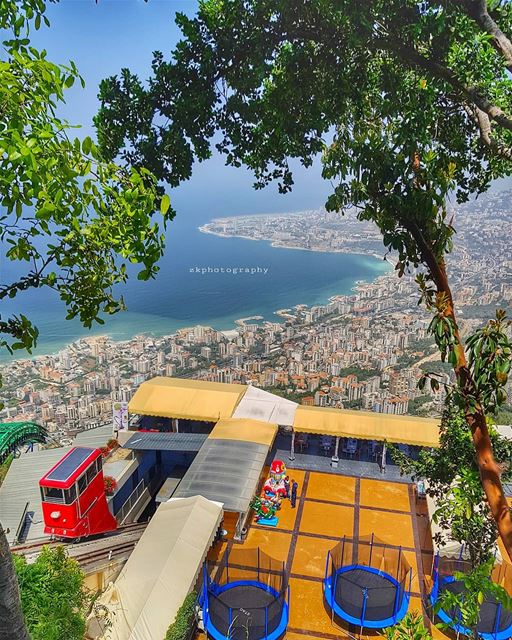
x=70 y=464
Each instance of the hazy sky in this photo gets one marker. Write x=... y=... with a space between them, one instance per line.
x=105 y=37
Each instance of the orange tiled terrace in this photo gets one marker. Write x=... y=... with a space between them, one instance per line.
x=330 y=506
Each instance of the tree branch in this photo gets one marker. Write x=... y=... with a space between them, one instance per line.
x=477 y=10
x=412 y=58
x=483 y=122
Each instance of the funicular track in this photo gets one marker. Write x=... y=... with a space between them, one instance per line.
x=100 y=548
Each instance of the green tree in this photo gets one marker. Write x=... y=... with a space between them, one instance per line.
x=451 y=470
x=53 y=595
x=462 y=513
x=69 y=220
x=408 y=102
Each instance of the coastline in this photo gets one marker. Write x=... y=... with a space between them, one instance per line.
x=277 y=245
x=158 y=328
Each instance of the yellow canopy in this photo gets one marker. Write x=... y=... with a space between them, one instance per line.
x=186 y=399
x=245 y=430
x=367 y=425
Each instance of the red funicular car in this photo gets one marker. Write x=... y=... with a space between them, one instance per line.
x=73 y=495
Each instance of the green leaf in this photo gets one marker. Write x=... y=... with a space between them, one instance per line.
x=87 y=145
x=165 y=203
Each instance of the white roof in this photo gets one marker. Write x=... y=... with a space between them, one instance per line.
x=262 y=405
x=162 y=569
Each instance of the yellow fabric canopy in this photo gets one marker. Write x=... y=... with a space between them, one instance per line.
x=187 y=399
x=367 y=425
x=245 y=430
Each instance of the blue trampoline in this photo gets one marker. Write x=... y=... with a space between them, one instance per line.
x=495 y=621
x=367 y=584
x=245 y=597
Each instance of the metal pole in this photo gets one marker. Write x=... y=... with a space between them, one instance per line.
x=177 y=425
x=205 y=588
x=327 y=564
x=335 y=459
x=333 y=591
x=258 y=564
x=292 y=447
x=371 y=552
x=383 y=461
x=395 y=606
x=363 y=611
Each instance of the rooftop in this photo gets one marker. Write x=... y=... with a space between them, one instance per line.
x=330 y=507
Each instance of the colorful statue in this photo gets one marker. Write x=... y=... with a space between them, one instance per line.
x=264 y=509
x=275 y=485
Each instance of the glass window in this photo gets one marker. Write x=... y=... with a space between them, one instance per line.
x=70 y=494
x=99 y=463
x=82 y=483
x=91 y=472
x=50 y=494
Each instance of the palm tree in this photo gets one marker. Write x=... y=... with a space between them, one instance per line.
x=12 y=622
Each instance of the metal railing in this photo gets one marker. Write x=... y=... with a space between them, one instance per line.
x=147 y=483
x=131 y=501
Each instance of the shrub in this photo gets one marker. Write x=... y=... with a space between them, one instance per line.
x=181 y=628
x=112 y=444
x=53 y=595
x=411 y=627
x=104 y=451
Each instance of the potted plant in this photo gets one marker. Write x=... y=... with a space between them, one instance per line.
x=112 y=444
x=110 y=484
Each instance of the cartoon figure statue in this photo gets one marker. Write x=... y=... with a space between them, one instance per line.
x=275 y=485
x=265 y=511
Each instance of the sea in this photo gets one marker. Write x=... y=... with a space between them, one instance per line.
x=205 y=279
x=101 y=40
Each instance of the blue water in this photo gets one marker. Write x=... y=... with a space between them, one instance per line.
x=101 y=38
x=181 y=297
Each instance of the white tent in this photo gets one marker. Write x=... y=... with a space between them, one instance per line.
x=452 y=548
x=262 y=405
x=504 y=430
x=162 y=569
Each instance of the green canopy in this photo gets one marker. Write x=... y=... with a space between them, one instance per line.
x=16 y=434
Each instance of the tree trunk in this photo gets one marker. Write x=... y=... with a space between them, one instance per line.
x=12 y=623
x=490 y=471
